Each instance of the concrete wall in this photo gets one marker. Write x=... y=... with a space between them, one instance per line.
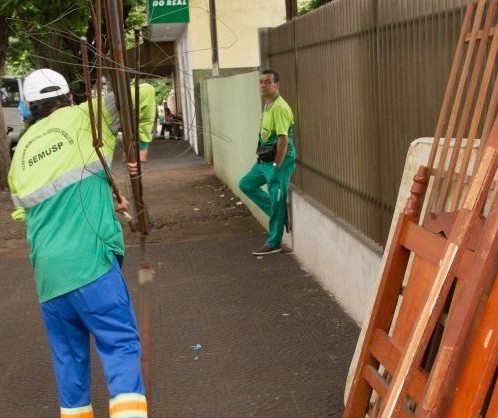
x=237 y=24
x=184 y=86
x=343 y=261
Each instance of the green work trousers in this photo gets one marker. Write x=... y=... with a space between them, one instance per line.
x=273 y=202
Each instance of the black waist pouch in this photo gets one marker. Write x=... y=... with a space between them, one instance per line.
x=266 y=153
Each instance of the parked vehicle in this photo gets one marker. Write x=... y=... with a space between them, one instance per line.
x=11 y=94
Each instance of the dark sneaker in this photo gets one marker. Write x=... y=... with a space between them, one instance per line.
x=265 y=250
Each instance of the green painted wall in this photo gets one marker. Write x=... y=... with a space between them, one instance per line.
x=231 y=115
x=199 y=77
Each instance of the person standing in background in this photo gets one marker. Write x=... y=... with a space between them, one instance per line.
x=275 y=164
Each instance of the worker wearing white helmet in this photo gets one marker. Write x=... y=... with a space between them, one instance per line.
x=59 y=188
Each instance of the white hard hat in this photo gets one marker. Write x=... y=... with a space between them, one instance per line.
x=43 y=84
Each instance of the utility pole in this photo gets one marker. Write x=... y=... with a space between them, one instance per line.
x=290 y=9
x=214 y=38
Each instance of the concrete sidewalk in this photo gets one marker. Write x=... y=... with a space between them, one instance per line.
x=233 y=335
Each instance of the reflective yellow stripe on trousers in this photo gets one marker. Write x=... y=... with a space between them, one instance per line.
x=81 y=412
x=128 y=405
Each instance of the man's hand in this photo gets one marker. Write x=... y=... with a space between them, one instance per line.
x=275 y=175
x=121 y=207
x=132 y=168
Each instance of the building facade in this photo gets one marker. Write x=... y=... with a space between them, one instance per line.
x=188 y=25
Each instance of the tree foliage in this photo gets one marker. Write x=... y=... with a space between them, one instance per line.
x=163 y=87
x=47 y=34
x=311 y=5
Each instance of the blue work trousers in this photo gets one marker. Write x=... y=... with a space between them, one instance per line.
x=102 y=309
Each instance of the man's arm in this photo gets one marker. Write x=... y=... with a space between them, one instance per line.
x=281 y=149
x=147 y=109
x=19 y=214
x=282 y=121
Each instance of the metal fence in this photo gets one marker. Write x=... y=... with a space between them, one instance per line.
x=365 y=78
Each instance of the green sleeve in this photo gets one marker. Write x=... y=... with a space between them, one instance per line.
x=282 y=121
x=19 y=214
x=147 y=113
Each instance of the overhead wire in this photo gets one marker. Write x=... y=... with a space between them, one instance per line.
x=189 y=93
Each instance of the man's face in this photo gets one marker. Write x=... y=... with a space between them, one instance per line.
x=267 y=85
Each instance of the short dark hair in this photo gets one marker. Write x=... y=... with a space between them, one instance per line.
x=276 y=75
x=43 y=108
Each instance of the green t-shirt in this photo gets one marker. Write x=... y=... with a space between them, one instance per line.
x=58 y=180
x=277 y=119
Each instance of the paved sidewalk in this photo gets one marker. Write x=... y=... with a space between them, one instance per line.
x=233 y=336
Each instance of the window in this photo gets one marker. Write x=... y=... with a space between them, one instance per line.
x=10 y=92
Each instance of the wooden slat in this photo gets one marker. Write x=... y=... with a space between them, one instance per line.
x=384 y=350
x=455 y=110
x=476 y=78
x=415 y=293
x=380 y=386
x=375 y=380
x=426 y=244
x=480 y=34
x=430 y=246
x=381 y=318
x=452 y=81
x=488 y=121
x=484 y=81
x=480 y=363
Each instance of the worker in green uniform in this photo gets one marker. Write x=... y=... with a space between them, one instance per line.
x=276 y=161
x=59 y=188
